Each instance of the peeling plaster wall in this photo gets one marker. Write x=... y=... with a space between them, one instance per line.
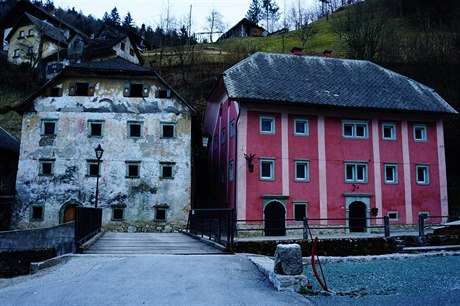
x=71 y=148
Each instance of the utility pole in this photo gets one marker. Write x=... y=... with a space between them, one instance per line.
x=190 y=25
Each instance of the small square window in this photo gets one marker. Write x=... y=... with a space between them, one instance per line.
x=167 y=170
x=136 y=90
x=354 y=129
x=16 y=53
x=81 y=89
x=131 y=51
x=46 y=167
x=93 y=168
x=231 y=132
x=301 y=171
x=95 y=128
x=267 y=169
x=31 y=32
x=389 y=131
x=425 y=215
x=422 y=175
x=21 y=34
x=133 y=169
x=48 y=127
x=118 y=213
x=393 y=215
x=122 y=46
x=30 y=51
x=37 y=213
x=300 y=211
x=54 y=92
x=163 y=93
x=168 y=130
x=267 y=125
x=301 y=127
x=420 y=132
x=391 y=173
x=214 y=142
x=134 y=129
x=160 y=214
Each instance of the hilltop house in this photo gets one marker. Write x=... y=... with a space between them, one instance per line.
x=9 y=155
x=244 y=28
x=144 y=128
x=294 y=136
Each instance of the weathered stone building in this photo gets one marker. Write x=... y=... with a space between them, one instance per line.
x=145 y=130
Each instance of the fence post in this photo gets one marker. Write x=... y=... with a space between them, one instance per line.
x=386 y=225
x=421 y=225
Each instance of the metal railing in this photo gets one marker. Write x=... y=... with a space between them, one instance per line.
x=88 y=222
x=213 y=224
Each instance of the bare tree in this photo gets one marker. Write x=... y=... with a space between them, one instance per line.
x=214 y=23
x=306 y=33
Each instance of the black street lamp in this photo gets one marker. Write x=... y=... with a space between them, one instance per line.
x=99 y=151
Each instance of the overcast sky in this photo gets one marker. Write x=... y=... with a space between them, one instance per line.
x=150 y=12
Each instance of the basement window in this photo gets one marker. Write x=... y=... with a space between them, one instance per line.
x=133 y=169
x=393 y=215
x=37 y=213
x=81 y=89
x=168 y=130
x=300 y=211
x=46 y=167
x=160 y=214
x=48 y=127
x=135 y=90
x=118 y=213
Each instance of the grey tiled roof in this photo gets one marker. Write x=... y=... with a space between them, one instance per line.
x=8 y=142
x=48 y=29
x=320 y=81
x=116 y=64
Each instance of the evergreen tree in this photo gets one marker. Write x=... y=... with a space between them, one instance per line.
x=269 y=11
x=254 y=12
x=128 y=22
x=115 y=17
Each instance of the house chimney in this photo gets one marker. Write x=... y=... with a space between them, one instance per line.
x=327 y=53
x=296 y=51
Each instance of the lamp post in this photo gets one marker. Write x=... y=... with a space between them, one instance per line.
x=99 y=151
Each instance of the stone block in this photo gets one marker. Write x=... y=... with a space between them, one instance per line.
x=288 y=259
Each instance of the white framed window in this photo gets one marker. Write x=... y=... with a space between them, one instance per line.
x=422 y=176
x=46 y=167
x=420 y=132
x=230 y=170
x=133 y=169
x=93 y=168
x=355 y=172
x=393 y=215
x=300 y=210
x=425 y=214
x=95 y=128
x=301 y=127
x=134 y=129
x=168 y=130
x=355 y=129
x=48 y=127
x=231 y=132
x=167 y=170
x=267 y=169
x=267 y=125
x=222 y=136
x=391 y=173
x=389 y=131
x=301 y=171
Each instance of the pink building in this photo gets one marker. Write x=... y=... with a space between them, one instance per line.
x=294 y=136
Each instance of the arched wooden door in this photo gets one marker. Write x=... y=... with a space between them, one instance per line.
x=275 y=219
x=357 y=217
x=68 y=211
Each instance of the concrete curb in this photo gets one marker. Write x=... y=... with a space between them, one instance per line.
x=36 y=266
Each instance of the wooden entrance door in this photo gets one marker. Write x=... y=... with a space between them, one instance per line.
x=69 y=213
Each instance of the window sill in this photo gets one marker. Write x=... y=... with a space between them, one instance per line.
x=166 y=178
x=45 y=175
x=132 y=177
x=301 y=181
x=36 y=220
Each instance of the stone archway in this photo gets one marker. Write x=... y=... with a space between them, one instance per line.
x=357 y=216
x=275 y=219
x=67 y=211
